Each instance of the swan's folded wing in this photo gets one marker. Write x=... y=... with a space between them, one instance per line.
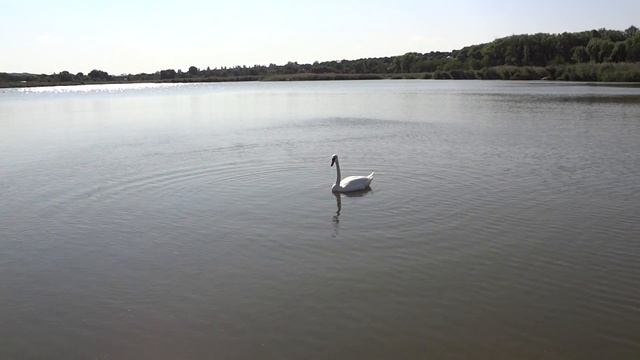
x=355 y=182
x=349 y=179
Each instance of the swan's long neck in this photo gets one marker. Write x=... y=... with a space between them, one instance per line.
x=338 y=177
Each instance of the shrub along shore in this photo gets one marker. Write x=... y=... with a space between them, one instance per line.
x=594 y=56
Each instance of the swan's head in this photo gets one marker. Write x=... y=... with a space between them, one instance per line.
x=334 y=157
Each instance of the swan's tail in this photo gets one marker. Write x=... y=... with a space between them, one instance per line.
x=371 y=175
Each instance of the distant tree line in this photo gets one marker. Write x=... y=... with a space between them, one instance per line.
x=596 y=55
x=595 y=46
x=61 y=77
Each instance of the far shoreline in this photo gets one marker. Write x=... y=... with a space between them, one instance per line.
x=307 y=77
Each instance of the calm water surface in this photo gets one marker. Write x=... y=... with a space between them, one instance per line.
x=196 y=221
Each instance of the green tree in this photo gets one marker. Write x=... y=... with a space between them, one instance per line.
x=526 y=55
x=291 y=67
x=633 y=47
x=619 y=52
x=606 y=47
x=98 y=75
x=593 y=48
x=65 y=76
x=629 y=32
x=193 y=71
x=167 y=74
x=579 y=54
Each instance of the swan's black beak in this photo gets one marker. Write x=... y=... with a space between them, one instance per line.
x=333 y=160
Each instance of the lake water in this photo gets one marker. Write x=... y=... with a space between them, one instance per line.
x=196 y=221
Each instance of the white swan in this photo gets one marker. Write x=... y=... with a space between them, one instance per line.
x=350 y=183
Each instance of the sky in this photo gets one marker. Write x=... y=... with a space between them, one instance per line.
x=133 y=36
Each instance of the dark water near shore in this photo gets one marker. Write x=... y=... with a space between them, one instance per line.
x=196 y=221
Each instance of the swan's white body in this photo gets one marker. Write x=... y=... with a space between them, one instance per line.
x=350 y=183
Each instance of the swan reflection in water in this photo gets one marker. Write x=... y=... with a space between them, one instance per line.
x=336 y=217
